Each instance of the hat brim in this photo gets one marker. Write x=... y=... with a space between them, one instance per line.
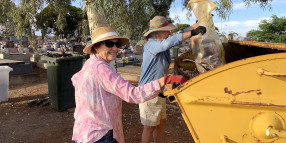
x=87 y=49
x=166 y=28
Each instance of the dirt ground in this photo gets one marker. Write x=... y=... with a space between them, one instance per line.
x=42 y=124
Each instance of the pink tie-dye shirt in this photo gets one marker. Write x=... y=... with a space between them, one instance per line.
x=99 y=91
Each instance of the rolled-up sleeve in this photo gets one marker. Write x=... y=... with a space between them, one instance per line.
x=161 y=46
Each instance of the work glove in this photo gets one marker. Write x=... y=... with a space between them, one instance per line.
x=174 y=79
x=198 y=30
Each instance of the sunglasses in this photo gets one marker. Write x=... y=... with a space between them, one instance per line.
x=110 y=44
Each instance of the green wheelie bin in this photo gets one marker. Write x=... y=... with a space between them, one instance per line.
x=59 y=72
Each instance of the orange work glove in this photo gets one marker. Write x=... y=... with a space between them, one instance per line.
x=174 y=79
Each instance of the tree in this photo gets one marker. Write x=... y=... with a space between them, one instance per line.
x=131 y=18
x=47 y=21
x=6 y=18
x=181 y=27
x=75 y=15
x=61 y=7
x=128 y=17
x=24 y=16
x=273 y=30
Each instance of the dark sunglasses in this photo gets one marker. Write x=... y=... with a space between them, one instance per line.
x=110 y=44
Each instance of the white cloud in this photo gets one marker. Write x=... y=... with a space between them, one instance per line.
x=237 y=6
x=253 y=23
x=227 y=26
x=240 y=27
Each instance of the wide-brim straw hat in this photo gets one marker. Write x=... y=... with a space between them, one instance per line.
x=101 y=34
x=159 y=23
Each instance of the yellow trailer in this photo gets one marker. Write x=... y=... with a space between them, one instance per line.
x=240 y=102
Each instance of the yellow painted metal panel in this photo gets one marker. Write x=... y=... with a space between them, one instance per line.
x=227 y=104
x=260 y=44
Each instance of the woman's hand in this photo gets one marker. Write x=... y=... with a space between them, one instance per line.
x=198 y=30
x=167 y=79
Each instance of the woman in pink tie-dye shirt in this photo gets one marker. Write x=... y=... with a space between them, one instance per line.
x=99 y=91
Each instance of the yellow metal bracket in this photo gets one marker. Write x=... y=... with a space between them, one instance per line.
x=262 y=71
x=267 y=126
x=275 y=133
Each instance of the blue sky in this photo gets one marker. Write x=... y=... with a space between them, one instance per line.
x=242 y=19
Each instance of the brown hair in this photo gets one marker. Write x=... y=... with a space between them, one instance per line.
x=93 y=51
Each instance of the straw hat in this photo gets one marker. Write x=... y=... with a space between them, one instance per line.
x=101 y=34
x=158 y=23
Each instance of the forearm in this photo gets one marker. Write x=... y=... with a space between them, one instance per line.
x=187 y=31
x=163 y=45
x=186 y=35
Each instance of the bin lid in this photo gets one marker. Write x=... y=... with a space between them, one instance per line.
x=5 y=68
x=61 y=59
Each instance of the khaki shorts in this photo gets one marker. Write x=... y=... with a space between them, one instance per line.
x=152 y=111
